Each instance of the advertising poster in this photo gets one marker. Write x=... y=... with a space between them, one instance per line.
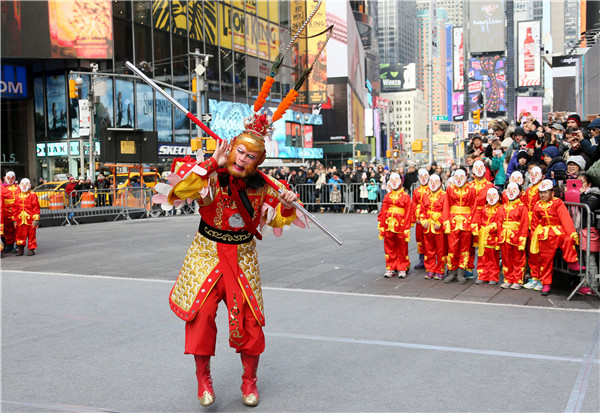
x=487 y=26
x=38 y=92
x=493 y=70
x=144 y=106
x=449 y=77
x=529 y=56
x=317 y=82
x=56 y=107
x=124 y=104
x=299 y=52
x=530 y=107
x=164 y=117
x=396 y=77
x=458 y=59
x=103 y=88
x=181 y=122
x=458 y=106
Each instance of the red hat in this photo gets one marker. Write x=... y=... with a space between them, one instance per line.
x=576 y=118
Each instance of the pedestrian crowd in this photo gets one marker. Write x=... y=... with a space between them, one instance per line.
x=506 y=200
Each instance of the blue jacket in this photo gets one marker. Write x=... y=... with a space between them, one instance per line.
x=498 y=167
x=556 y=164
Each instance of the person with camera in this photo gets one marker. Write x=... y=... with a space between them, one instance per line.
x=580 y=146
x=555 y=166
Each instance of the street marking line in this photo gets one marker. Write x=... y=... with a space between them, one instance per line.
x=301 y=290
x=430 y=347
x=61 y=407
x=583 y=378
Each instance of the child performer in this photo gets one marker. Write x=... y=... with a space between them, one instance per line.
x=516 y=177
x=459 y=209
x=434 y=237
x=530 y=197
x=553 y=229
x=417 y=199
x=26 y=217
x=488 y=250
x=513 y=227
x=394 y=227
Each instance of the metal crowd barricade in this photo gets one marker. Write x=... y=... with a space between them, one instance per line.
x=359 y=198
x=112 y=203
x=53 y=205
x=322 y=198
x=586 y=276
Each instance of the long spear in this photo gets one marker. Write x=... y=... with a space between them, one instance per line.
x=213 y=135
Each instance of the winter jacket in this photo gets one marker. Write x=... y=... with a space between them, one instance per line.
x=498 y=168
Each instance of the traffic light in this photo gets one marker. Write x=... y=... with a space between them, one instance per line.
x=73 y=89
x=417 y=146
x=194 y=87
x=476 y=116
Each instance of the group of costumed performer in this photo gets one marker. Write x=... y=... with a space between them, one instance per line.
x=20 y=216
x=9 y=191
x=235 y=202
x=419 y=194
x=394 y=222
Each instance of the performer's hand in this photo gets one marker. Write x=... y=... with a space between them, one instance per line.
x=36 y=223
x=437 y=226
x=220 y=153
x=425 y=225
x=287 y=198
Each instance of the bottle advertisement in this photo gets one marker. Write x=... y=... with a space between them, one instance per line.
x=528 y=49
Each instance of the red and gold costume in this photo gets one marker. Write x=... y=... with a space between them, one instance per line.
x=418 y=196
x=459 y=210
x=8 y=193
x=26 y=216
x=431 y=213
x=394 y=221
x=488 y=250
x=513 y=226
x=552 y=229
x=481 y=187
x=530 y=197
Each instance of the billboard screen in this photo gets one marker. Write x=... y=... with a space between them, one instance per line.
x=57 y=29
x=396 y=77
x=458 y=59
x=487 y=26
x=528 y=50
x=458 y=106
x=529 y=106
x=488 y=72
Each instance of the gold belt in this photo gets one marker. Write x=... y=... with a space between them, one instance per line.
x=396 y=210
x=543 y=231
x=455 y=209
x=511 y=225
x=9 y=201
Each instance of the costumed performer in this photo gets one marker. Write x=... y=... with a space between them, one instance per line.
x=26 y=218
x=394 y=227
x=530 y=197
x=552 y=229
x=9 y=189
x=433 y=231
x=222 y=262
x=488 y=250
x=417 y=199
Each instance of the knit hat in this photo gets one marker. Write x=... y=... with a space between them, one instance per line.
x=523 y=154
x=577 y=160
x=551 y=151
x=576 y=118
x=519 y=131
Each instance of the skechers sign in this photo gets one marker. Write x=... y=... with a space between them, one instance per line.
x=13 y=82
x=174 y=150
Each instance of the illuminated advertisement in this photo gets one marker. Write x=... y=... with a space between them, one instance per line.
x=13 y=82
x=395 y=77
x=449 y=77
x=227 y=123
x=144 y=106
x=105 y=114
x=493 y=68
x=56 y=107
x=458 y=59
x=124 y=103
x=181 y=123
x=358 y=119
x=317 y=82
x=487 y=26
x=458 y=106
x=528 y=49
x=530 y=107
x=299 y=53
x=164 y=117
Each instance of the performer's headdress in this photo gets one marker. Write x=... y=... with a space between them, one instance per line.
x=256 y=128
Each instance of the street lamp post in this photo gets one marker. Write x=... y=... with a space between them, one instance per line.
x=90 y=96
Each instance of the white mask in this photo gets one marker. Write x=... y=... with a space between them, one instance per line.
x=460 y=178
x=25 y=185
x=435 y=183
x=516 y=177
x=394 y=181
x=10 y=178
x=512 y=191
x=492 y=196
x=423 y=176
x=535 y=175
x=478 y=169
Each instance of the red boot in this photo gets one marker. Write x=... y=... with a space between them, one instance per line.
x=249 y=389
x=206 y=394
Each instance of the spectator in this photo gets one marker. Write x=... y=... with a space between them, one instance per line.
x=518 y=136
x=523 y=159
x=590 y=195
x=410 y=178
x=101 y=186
x=335 y=193
x=581 y=147
x=575 y=166
x=555 y=167
x=69 y=190
x=476 y=147
x=498 y=166
x=363 y=194
x=372 y=197
x=574 y=121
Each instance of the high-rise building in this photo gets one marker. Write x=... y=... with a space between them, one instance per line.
x=396 y=22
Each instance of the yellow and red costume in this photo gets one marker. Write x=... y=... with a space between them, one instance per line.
x=481 y=186
x=552 y=229
x=431 y=213
x=513 y=226
x=418 y=196
x=530 y=197
x=8 y=193
x=459 y=210
x=488 y=250
x=394 y=221
x=26 y=216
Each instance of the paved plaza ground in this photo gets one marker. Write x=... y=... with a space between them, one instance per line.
x=86 y=327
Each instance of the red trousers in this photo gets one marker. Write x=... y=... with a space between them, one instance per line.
x=459 y=243
x=513 y=263
x=546 y=256
x=435 y=252
x=201 y=332
x=396 y=252
x=471 y=263
x=10 y=232
x=25 y=232
x=488 y=265
x=534 y=265
x=420 y=237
